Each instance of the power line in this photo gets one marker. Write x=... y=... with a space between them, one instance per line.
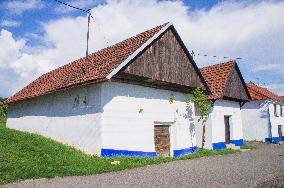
x=73 y=6
x=88 y=11
x=193 y=54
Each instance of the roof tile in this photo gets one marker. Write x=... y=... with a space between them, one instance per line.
x=260 y=93
x=94 y=68
x=217 y=76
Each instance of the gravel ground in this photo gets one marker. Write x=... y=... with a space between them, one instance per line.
x=263 y=167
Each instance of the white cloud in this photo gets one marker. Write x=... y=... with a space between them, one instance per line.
x=276 y=68
x=9 y=23
x=277 y=88
x=20 y=6
x=252 y=31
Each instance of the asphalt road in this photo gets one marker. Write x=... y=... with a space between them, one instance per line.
x=263 y=167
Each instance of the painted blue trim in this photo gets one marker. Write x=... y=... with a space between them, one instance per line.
x=185 y=151
x=268 y=139
x=222 y=145
x=113 y=152
x=219 y=145
x=239 y=142
x=274 y=139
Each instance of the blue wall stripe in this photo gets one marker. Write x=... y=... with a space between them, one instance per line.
x=238 y=142
x=113 y=152
x=219 y=145
x=222 y=145
x=185 y=151
x=274 y=139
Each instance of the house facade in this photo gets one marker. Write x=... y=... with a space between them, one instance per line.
x=229 y=93
x=263 y=117
x=129 y=99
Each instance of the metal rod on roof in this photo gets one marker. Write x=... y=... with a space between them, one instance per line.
x=88 y=33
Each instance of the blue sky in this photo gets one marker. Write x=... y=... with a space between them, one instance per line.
x=40 y=35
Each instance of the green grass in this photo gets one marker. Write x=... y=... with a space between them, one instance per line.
x=28 y=156
x=248 y=147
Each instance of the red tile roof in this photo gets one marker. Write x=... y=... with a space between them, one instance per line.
x=92 y=69
x=260 y=93
x=216 y=77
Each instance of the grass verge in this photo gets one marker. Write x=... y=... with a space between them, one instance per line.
x=28 y=156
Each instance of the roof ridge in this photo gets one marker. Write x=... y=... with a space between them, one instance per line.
x=219 y=64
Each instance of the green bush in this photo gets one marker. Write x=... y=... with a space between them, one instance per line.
x=3 y=108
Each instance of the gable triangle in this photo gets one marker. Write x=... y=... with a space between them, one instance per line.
x=235 y=86
x=166 y=60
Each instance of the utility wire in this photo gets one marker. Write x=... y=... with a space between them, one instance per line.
x=193 y=54
x=89 y=16
x=71 y=6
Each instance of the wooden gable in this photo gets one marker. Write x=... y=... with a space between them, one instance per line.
x=236 y=87
x=166 y=62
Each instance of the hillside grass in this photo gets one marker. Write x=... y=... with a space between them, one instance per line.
x=29 y=156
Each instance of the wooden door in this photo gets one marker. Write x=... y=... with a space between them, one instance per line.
x=280 y=132
x=162 y=140
x=227 y=129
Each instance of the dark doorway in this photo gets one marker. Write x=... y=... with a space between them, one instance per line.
x=162 y=140
x=227 y=129
x=280 y=132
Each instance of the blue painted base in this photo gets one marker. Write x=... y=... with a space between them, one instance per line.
x=113 y=152
x=219 y=145
x=238 y=142
x=273 y=139
x=222 y=145
x=126 y=153
x=185 y=151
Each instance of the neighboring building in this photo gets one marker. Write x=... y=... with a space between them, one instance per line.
x=224 y=124
x=263 y=117
x=128 y=99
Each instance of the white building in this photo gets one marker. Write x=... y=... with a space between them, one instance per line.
x=263 y=117
x=128 y=99
x=224 y=124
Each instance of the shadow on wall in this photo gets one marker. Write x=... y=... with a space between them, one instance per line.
x=189 y=115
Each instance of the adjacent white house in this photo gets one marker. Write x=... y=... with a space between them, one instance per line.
x=263 y=117
x=229 y=93
x=128 y=99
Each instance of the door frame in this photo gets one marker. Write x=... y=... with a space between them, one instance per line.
x=280 y=132
x=227 y=129
x=166 y=124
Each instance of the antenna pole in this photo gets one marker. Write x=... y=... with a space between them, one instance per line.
x=88 y=33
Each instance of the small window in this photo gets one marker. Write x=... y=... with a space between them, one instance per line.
x=275 y=110
x=76 y=101
x=85 y=101
x=281 y=111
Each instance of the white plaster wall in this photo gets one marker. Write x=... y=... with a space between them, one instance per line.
x=55 y=116
x=129 y=113
x=208 y=131
x=255 y=119
x=275 y=121
x=226 y=108
x=215 y=126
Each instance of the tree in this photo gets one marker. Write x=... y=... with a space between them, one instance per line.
x=203 y=106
